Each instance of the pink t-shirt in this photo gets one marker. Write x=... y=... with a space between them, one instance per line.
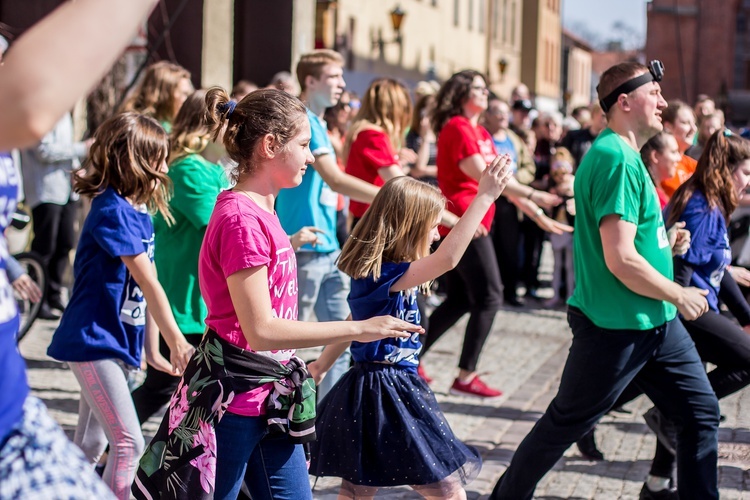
x=241 y=235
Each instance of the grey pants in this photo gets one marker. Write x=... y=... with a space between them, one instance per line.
x=106 y=414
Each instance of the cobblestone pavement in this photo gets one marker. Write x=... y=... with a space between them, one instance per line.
x=524 y=357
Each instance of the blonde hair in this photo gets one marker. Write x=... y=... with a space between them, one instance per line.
x=190 y=132
x=395 y=228
x=154 y=96
x=127 y=155
x=386 y=105
x=311 y=64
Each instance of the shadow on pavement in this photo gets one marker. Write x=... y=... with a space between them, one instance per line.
x=477 y=410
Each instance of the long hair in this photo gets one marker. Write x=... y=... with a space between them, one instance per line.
x=190 y=132
x=420 y=108
x=265 y=111
x=452 y=96
x=127 y=155
x=154 y=96
x=713 y=175
x=395 y=228
x=386 y=104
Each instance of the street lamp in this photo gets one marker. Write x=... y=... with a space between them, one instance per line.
x=397 y=18
x=502 y=65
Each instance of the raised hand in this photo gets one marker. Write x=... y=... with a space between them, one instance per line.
x=496 y=176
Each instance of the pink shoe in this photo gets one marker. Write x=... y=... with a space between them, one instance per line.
x=476 y=388
x=423 y=375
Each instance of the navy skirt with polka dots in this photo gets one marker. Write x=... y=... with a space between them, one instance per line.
x=381 y=425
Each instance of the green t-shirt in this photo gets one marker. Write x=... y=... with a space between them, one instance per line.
x=612 y=179
x=197 y=182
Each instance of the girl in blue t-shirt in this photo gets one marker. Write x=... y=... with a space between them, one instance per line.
x=102 y=331
x=380 y=425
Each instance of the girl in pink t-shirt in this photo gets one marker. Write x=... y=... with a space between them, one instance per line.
x=248 y=278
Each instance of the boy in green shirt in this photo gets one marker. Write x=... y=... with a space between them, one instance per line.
x=623 y=310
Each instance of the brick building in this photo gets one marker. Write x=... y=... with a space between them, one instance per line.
x=703 y=45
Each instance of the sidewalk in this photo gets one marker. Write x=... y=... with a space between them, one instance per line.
x=524 y=357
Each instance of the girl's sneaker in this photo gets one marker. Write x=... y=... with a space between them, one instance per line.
x=476 y=387
x=423 y=375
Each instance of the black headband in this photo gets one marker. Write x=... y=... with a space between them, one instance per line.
x=655 y=74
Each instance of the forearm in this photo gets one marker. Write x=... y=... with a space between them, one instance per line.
x=640 y=277
x=518 y=190
x=732 y=296
x=354 y=188
x=57 y=152
x=72 y=47
x=455 y=243
x=330 y=354
x=159 y=309
x=276 y=333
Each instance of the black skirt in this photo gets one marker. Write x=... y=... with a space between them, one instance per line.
x=381 y=425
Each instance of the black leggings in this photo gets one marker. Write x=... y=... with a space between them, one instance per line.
x=506 y=235
x=158 y=386
x=472 y=287
x=719 y=341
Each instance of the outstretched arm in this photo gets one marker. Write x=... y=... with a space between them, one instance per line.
x=60 y=59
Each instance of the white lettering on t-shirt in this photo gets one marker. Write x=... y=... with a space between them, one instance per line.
x=7 y=302
x=133 y=311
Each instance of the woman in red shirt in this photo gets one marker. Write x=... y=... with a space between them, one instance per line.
x=464 y=149
x=373 y=141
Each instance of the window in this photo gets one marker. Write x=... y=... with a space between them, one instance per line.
x=455 y=12
x=513 y=24
x=471 y=15
x=505 y=21
x=495 y=23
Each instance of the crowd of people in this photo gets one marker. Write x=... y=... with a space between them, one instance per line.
x=221 y=222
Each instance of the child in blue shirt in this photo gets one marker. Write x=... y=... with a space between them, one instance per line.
x=101 y=334
x=380 y=425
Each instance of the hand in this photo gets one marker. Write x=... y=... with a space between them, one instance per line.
x=304 y=236
x=740 y=275
x=545 y=199
x=496 y=176
x=425 y=127
x=570 y=206
x=180 y=357
x=27 y=289
x=381 y=327
x=159 y=362
x=679 y=238
x=551 y=225
x=407 y=156
x=481 y=231
x=315 y=372
x=692 y=303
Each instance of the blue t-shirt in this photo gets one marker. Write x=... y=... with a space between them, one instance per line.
x=106 y=316
x=507 y=147
x=369 y=298
x=13 y=385
x=709 y=252
x=312 y=203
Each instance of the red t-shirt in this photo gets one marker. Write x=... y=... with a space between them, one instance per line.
x=370 y=151
x=459 y=139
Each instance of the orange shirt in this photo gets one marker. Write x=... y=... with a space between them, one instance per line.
x=685 y=168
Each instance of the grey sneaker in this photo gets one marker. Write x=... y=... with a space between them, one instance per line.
x=663 y=428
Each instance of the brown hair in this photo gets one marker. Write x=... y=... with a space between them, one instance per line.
x=616 y=76
x=669 y=115
x=127 y=155
x=395 y=228
x=452 y=96
x=724 y=151
x=657 y=143
x=265 y=111
x=154 y=96
x=190 y=132
x=386 y=105
x=419 y=109
x=311 y=64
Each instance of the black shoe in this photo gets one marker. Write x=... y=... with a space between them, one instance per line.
x=587 y=446
x=514 y=302
x=56 y=303
x=46 y=313
x=667 y=494
x=663 y=428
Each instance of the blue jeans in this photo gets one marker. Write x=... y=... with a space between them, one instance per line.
x=324 y=289
x=272 y=467
x=664 y=363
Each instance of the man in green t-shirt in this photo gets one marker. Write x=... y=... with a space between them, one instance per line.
x=623 y=311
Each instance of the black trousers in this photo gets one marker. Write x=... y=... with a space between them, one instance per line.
x=158 y=386
x=472 y=287
x=506 y=236
x=54 y=238
x=533 y=237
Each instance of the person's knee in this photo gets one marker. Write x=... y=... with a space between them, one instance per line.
x=704 y=413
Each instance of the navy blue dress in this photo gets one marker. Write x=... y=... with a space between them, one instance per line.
x=381 y=425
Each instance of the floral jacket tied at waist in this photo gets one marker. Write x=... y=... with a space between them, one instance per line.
x=180 y=462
